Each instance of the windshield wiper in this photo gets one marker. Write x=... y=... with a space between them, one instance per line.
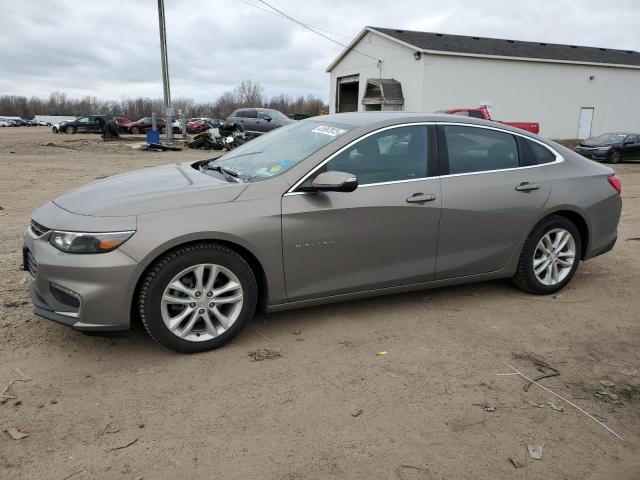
x=227 y=172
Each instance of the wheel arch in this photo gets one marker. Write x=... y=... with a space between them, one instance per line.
x=578 y=219
x=245 y=252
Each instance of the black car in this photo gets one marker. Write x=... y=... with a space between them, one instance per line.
x=89 y=123
x=611 y=147
x=257 y=121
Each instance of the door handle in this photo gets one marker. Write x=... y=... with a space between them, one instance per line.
x=421 y=198
x=527 y=187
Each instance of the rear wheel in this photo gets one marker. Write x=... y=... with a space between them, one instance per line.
x=615 y=156
x=135 y=130
x=197 y=298
x=550 y=256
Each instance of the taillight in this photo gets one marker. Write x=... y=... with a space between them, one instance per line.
x=615 y=183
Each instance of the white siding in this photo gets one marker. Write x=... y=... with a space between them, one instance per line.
x=398 y=63
x=548 y=93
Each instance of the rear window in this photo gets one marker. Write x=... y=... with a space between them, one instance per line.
x=474 y=149
x=541 y=154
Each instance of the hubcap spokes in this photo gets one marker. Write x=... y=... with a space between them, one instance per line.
x=554 y=256
x=202 y=302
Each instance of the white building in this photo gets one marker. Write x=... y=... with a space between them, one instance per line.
x=571 y=91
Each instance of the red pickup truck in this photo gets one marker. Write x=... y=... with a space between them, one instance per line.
x=483 y=112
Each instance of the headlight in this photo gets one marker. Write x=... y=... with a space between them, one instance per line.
x=602 y=149
x=77 y=242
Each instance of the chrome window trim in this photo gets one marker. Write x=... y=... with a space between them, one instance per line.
x=559 y=158
x=292 y=191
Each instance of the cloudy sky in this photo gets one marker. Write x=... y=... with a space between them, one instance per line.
x=110 y=48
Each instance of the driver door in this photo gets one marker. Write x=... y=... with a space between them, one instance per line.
x=383 y=234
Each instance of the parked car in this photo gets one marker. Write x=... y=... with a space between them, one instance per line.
x=257 y=121
x=483 y=112
x=326 y=209
x=121 y=122
x=611 y=147
x=142 y=125
x=84 y=124
x=198 y=125
x=42 y=123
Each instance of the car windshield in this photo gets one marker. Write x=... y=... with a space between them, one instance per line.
x=276 y=152
x=611 y=137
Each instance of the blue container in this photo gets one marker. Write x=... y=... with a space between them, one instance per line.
x=153 y=136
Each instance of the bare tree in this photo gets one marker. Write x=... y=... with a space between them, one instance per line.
x=248 y=94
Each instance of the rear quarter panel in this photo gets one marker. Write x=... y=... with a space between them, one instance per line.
x=581 y=185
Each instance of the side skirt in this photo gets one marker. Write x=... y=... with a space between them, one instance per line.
x=386 y=291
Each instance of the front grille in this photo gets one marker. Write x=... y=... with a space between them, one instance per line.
x=38 y=229
x=30 y=264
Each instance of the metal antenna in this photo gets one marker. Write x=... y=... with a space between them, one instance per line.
x=165 y=73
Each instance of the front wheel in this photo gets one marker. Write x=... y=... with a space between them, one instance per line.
x=550 y=256
x=135 y=130
x=197 y=298
x=615 y=156
x=70 y=130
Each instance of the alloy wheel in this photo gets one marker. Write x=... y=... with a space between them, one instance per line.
x=202 y=302
x=554 y=256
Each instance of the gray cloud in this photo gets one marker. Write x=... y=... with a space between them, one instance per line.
x=110 y=49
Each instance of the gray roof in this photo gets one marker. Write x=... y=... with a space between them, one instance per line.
x=511 y=48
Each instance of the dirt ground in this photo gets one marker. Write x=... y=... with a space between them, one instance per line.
x=328 y=404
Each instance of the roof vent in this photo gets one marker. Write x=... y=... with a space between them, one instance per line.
x=543 y=44
x=573 y=46
x=630 y=51
x=603 y=49
x=511 y=41
x=400 y=31
x=438 y=35
x=476 y=38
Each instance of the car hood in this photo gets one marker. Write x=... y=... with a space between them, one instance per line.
x=150 y=190
x=592 y=142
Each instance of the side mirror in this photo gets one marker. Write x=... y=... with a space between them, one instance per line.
x=334 y=182
x=267 y=118
x=628 y=142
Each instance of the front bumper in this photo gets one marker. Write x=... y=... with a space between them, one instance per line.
x=86 y=292
x=598 y=155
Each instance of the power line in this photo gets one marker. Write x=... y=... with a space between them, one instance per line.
x=271 y=12
x=315 y=31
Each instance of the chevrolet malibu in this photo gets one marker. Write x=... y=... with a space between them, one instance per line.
x=323 y=210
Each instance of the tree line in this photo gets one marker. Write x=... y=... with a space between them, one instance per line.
x=247 y=94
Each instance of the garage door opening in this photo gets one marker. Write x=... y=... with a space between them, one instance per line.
x=347 y=98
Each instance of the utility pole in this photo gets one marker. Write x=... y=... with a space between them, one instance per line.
x=165 y=73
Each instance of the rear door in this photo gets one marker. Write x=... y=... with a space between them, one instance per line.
x=632 y=147
x=383 y=234
x=492 y=190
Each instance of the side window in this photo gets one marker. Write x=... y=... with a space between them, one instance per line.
x=262 y=114
x=387 y=156
x=83 y=120
x=473 y=149
x=632 y=138
x=247 y=114
x=540 y=153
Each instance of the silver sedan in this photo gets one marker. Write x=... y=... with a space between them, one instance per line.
x=328 y=209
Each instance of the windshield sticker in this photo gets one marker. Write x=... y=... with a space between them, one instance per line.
x=264 y=172
x=275 y=168
x=331 y=131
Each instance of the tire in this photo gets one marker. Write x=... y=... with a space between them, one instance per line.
x=55 y=130
x=526 y=278
x=231 y=269
x=614 y=156
x=135 y=130
x=70 y=130
x=176 y=130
